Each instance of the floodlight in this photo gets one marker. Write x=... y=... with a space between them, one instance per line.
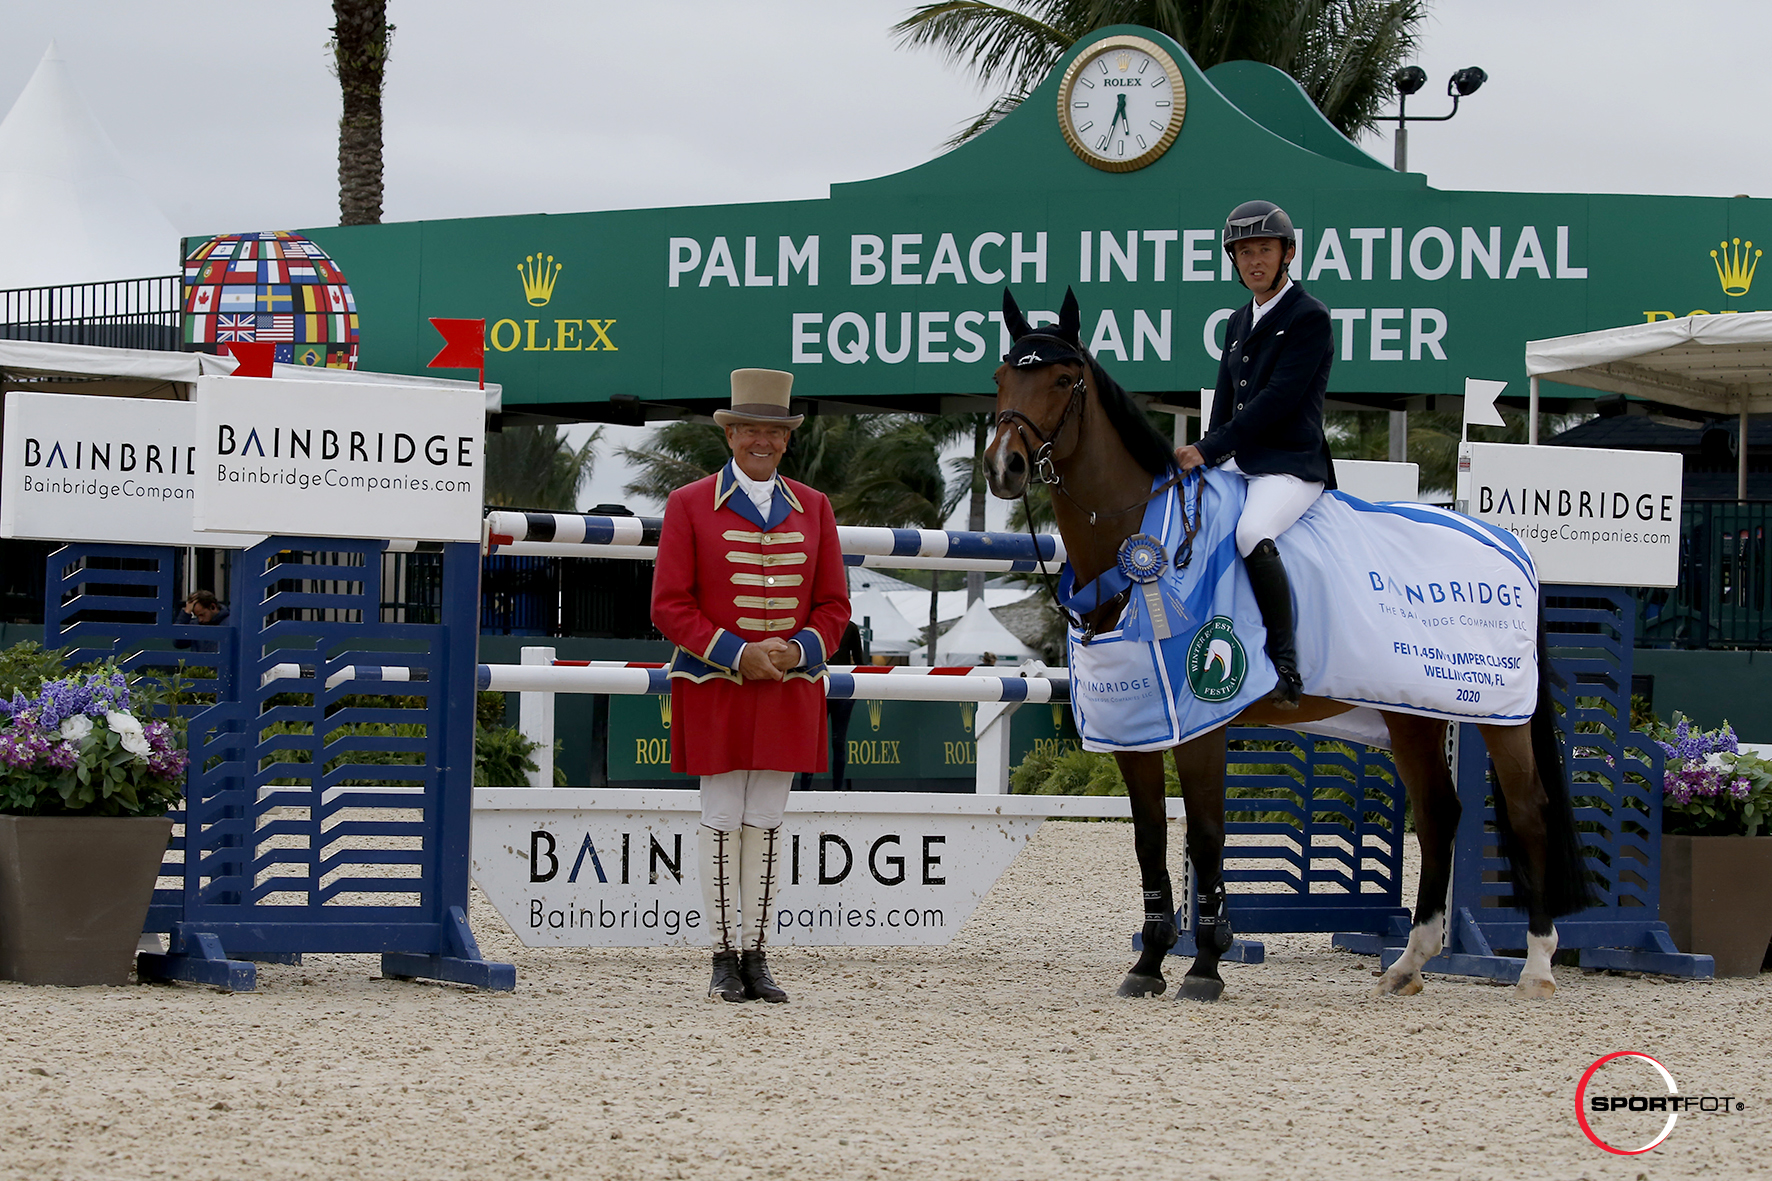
x=1409 y=79
x=1466 y=81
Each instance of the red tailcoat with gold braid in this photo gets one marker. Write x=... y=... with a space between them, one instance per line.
x=726 y=577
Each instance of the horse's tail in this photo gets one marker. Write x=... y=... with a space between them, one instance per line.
x=1566 y=887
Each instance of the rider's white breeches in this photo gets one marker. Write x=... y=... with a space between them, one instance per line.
x=1275 y=502
x=756 y=798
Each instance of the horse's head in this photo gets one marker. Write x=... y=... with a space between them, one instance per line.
x=1040 y=390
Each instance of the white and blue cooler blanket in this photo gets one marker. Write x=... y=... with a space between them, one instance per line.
x=1397 y=606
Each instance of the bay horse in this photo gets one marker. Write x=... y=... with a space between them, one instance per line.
x=1069 y=424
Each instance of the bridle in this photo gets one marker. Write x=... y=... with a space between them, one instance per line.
x=1046 y=471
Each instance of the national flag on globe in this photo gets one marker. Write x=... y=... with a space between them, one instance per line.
x=242 y=328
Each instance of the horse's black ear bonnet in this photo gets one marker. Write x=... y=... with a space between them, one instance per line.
x=1033 y=347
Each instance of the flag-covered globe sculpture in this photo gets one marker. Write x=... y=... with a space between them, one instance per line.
x=274 y=287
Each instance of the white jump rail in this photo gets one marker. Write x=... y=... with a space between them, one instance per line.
x=584 y=535
x=998 y=694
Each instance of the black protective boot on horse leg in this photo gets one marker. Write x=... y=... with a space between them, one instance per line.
x=1200 y=765
x=1145 y=791
x=1145 y=978
x=1273 y=594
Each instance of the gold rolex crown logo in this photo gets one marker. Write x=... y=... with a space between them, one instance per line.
x=875 y=708
x=1123 y=62
x=968 y=711
x=1735 y=270
x=539 y=274
x=664 y=710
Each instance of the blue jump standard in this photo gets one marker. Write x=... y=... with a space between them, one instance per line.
x=356 y=880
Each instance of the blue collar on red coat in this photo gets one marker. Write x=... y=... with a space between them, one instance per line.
x=726 y=485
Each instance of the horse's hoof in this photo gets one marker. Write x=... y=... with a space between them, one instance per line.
x=1199 y=988
x=1535 y=990
x=1138 y=985
x=1407 y=986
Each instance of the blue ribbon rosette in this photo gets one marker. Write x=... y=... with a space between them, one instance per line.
x=1154 y=610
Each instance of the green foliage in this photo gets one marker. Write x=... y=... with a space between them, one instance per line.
x=72 y=742
x=1342 y=53
x=533 y=467
x=1077 y=772
x=26 y=665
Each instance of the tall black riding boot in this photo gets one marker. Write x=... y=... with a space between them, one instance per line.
x=1273 y=594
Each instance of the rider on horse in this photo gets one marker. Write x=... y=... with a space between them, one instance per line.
x=1267 y=415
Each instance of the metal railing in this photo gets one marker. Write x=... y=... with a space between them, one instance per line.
x=1724 y=599
x=143 y=313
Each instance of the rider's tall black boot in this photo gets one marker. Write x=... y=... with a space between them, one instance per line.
x=1273 y=594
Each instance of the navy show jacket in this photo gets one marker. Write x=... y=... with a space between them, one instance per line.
x=1268 y=411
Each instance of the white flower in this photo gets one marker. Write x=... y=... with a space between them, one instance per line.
x=129 y=731
x=76 y=728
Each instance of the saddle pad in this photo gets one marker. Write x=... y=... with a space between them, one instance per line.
x=1398 y=606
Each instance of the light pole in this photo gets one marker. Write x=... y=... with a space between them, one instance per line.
x=1410 y=79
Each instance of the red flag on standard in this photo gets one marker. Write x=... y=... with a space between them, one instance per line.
x=255 y=357
x=464 y=344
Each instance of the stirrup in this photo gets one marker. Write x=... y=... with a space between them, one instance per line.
x=1286 y=690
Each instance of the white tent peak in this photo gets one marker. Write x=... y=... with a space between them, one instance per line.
x=70 y=210
x=979 y=632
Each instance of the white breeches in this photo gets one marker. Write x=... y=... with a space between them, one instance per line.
x=734 y=798
x=1275 y=501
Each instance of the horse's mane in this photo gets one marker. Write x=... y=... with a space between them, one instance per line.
x=1150 y=450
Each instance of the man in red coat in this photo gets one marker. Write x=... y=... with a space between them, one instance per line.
x=750 y=586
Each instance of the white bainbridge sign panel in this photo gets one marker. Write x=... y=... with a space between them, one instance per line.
x=339 y=459
x=84 y=468
x=596 y=867
x=1588 y=516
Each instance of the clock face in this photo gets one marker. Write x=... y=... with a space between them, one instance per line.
x=1120 y=105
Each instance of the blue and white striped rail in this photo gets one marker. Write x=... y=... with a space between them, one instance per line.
x=587 y=536
x=350 y=672
x=845 y=683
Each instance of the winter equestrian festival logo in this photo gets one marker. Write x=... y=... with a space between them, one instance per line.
x=1673 y=1104
x=1216 y=662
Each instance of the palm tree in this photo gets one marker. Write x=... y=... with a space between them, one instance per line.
x=361 y=38
x=1341 y=52
x=533 y=467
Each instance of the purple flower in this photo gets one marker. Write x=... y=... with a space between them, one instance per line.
x=61 y=755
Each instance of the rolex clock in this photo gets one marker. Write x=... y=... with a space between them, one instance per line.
x=1121 y=103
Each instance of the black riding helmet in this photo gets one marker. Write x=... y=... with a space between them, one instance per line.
x=1258 y=219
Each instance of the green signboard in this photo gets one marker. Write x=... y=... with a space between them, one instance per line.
x=895 y=741
x=890 y=288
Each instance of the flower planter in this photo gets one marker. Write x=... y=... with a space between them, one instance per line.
x=74 y=893
x=1716 y=898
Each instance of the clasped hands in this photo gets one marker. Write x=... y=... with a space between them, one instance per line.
x=766 y=660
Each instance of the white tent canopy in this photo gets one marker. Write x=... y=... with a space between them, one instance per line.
x=72 y=211
x=150 y=373
x=1712 y=364
x=893 y=634
x=977 y=633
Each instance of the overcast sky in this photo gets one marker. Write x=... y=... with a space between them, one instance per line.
x=229 y=113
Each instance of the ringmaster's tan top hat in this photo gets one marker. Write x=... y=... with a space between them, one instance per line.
x=760 y=395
